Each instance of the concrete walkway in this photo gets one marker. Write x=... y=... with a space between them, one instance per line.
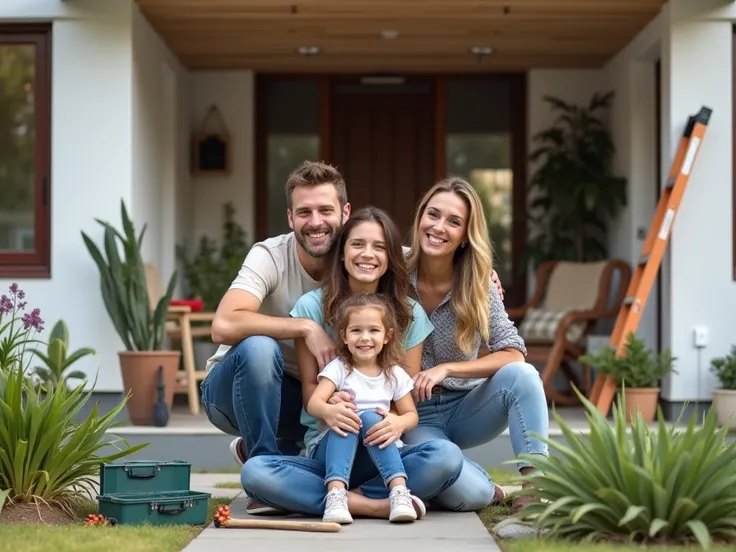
x=436 y=532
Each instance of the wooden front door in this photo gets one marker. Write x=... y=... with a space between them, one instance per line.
x=382 y=141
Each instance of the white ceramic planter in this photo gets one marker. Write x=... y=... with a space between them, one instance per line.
x=724 y=401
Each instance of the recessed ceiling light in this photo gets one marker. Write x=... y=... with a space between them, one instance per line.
x=481 y=50
x=308 y=50
x=389 y=34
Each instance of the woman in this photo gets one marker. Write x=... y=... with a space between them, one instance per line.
x=367 y=258
x=463 y=396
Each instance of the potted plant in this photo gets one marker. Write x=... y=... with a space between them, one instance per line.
x=724 y=397
x=638 y=370
x=140 y=327
x=209 y=270
x=573 y=189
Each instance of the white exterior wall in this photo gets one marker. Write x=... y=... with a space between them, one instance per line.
x=694 y=44
x=107 y=144
x=233 y=92
x=90 y=167
x=696 y=70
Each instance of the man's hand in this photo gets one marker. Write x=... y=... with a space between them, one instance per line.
x=495 y=279
x=320 y=345
x=425 y=381
x=386 y=432
x=341 y=419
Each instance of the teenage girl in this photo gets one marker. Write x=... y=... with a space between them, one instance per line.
x=367 y=367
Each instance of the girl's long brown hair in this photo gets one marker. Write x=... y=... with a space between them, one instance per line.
x=392 y=352
x=394 y=284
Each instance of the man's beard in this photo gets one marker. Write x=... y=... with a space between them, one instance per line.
x=322 y=250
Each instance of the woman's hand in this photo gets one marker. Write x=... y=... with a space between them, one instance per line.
x=341 y=419
x=386 y=432
x=425 y=380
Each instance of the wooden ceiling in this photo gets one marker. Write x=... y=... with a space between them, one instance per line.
x=432 y=35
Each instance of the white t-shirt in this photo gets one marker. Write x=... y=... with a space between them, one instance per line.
x=370 y=392
x=273 y=273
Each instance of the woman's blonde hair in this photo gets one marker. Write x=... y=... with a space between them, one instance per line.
x=470 y=299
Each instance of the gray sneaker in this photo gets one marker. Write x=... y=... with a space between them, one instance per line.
x=402 y=505
x=336 y=507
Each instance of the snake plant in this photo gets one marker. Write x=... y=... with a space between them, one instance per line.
x=123 y=286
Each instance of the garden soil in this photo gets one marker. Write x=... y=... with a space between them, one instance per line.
x=32 y=513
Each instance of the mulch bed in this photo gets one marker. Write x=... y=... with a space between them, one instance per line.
x=50 y=514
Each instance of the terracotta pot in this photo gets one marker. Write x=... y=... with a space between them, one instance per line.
x=644 y=400
x=140 y=378
x=724 y=401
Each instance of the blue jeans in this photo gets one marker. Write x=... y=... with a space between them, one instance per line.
x=513 y=397
x=297 y=484
x=247 y=394
x=341 y=455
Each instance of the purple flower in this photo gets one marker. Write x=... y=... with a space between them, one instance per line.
x=6 y=305
x=33 y=320
x=14 y=288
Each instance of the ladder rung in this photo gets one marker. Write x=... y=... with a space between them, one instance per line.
x=670 y=183
x=644 y=259
x=629 y=300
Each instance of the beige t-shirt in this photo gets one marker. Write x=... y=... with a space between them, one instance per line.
x=273 y=273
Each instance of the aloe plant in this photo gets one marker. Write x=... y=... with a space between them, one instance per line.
x=47 y=454
x=57 y=358
x=123 y=286
x=622 y=482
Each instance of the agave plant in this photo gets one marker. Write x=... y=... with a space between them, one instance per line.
x=123 y=286
x=642 y=484
x=45 y=453
x=57 y=359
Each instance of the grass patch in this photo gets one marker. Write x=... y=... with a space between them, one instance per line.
x=220 y=470
x=229 y=485
x=34 y=537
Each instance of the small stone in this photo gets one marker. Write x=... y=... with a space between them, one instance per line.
x=516 y=531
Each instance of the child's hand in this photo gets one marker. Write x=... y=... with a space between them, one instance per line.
x=341 y=418
x=386 y=432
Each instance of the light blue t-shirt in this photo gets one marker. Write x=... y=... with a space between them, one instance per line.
x=309 y=306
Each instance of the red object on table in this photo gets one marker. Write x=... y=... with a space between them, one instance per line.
x=195 y=304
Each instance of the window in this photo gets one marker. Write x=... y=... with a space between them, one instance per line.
x=25 y=150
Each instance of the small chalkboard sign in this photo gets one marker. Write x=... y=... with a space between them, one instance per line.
x=211 y=149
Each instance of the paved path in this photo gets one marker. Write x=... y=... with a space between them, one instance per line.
x=436 y=532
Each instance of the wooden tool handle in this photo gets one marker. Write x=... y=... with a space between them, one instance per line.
x=283 y=525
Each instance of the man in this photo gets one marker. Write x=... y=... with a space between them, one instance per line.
x=252 y=388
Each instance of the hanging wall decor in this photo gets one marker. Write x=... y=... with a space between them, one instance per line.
x=211 y=148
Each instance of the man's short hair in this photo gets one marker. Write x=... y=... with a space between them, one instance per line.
x=314 y=173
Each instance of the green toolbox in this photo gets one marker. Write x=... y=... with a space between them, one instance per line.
x=150 y=492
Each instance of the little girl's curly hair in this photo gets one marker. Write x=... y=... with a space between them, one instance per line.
x=392 y=352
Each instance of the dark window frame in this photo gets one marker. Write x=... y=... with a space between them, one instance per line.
x=37 y=263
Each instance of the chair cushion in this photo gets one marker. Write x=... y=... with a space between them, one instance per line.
x=540 y=325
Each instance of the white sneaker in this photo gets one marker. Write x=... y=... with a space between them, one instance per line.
x=336 y=507
x=402 y=505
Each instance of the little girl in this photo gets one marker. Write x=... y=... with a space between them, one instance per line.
x=367 y=368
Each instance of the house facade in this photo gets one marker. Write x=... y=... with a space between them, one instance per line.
x=396 y=99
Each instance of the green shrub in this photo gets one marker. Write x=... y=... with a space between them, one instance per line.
x=637 y=367
x=724 y=368
x=57 y=359
x=46 y=453
x=658 y=485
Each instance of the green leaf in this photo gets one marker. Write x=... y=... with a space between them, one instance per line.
x=700 y=532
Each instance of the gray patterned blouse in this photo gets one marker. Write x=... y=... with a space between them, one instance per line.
x=440 y=346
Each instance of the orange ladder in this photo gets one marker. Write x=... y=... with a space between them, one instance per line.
x=643 y=277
